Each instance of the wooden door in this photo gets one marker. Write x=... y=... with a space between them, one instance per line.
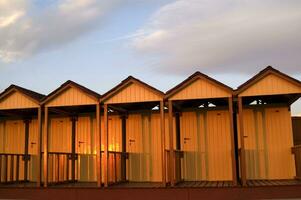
x=85 y=148
x=255 y=143
x=279 y=139
x=190 y=143
x=139 y=145
x=218 y=146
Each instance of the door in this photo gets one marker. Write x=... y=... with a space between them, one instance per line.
x=279 y=139
x=85 y=148
x=139 y=137
x=255 y=143
x=218 y=146
x=192 y=125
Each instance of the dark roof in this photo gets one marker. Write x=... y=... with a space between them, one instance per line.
x=190 y=78
x=266 y=71
x=34 y=95
x=69 y=82
x=126 y=81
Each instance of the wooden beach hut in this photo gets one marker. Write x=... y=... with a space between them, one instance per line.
x=20 y=134
x=71 y=137
x=265 y=127
x=134 y=134
x=201 y=132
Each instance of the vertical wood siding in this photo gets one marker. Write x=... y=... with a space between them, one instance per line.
x=206 y=142
x=71 y=96
x=201 y=89
x=268 y=142
x=12 y=136
x=59 y=135
x=271 y=85
x=16 y=100
x=144 y=146
x=134 y=93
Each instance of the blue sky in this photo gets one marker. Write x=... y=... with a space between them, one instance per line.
x=43 y=43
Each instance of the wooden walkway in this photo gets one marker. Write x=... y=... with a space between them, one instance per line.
x=137 y=185
x=191 y=184
x=260 y=183
x=184 y=184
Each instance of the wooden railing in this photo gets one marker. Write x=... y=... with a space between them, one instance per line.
x=178 y=164
x=117 y=166
x=167 y=160
x=13 y=167
x=296 y=150
x=60 y=168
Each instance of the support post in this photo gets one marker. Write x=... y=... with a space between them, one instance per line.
x=26 y=156
x=123 y=155
x=234 y=175
x=162 y=124
x=40 y=132
x=74 y=158
x=242 y=143
x=171 y=150
x=45 y=147
x=98 y=146
x=106 y=153
x=178 y=131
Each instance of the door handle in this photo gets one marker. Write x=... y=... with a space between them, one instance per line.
x=186 y=139
x=80 y=142
x=130 y=141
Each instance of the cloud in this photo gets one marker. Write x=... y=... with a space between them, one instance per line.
x=223 y=36
x=27 y=28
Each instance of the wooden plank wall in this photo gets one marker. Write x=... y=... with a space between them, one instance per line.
x=16 y=100
x=206 y=142
x=268 y=142
x=271 y=85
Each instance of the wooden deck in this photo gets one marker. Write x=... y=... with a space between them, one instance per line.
x=193 y=184
x=137 y=185
x=184 y=184
x=260 y=183
x=196 y=193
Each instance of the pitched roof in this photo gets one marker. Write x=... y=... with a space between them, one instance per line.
x=66 y=84
x=192 y=78
x=32 y=94
x=125 y=82
x=263 y=73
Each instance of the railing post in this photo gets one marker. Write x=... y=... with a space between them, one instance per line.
x=17 y=168
x=12 y=168
x=5 y=169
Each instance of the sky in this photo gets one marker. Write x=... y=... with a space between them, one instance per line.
x=44 y=43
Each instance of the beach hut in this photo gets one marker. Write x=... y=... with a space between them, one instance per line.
x=265 y=127
x=134 y=134
x=201 y=132
x=20 y=134
x=71 y=137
